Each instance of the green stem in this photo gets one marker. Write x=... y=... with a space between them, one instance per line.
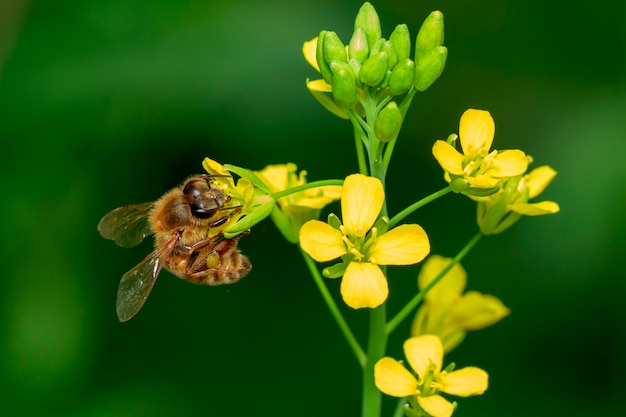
x=376 y=345
x=393 y=323
x=399 y=412
x=334 y=310
x=306 y=186
x=410 y=209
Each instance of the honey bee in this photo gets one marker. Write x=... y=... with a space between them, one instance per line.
x=180 y=222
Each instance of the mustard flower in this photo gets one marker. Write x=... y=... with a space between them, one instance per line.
x=295 y=209
x=361 y=245
x=498 y=212
x=477 y=169
x=449 y=313
x=425 y=356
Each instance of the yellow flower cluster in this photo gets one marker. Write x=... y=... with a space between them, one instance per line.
x=495 y=179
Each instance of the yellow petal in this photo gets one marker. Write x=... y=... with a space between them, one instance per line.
x=508 y=163
x=406 y=244
x=450 y=287
x=476 y=311
x=465 y=382
x=319 y=85
x=538 y=179
x=476 y=132
x=321 y=241
x=318 y=89
x=483 y=181
x=364 y=285
x=394 y=379
x=361 y=200
x=448 y=157
x=277 y=177
x=423 y=350
x=436 y=405
x=535 y=209
x=309 y=49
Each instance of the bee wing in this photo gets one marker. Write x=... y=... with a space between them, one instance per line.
x=136 y=284
x=127 y=225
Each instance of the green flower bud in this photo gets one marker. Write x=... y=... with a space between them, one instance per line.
x=321 y=61
x=344 y=84
x=335 y=271
x=430 y=35
x=377 y=47
x=356 y=67
x=391 y=53
x=430 y=67
x=334 y=49
x=367 y=19
x=402 y=77
x=388 y=123
x=401 y=40
x=262 y=209
x=374 y=69
x=358 y=48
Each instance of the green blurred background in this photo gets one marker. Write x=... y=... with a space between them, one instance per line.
x=110 y=102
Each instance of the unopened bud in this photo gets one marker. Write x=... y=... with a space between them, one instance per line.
x=430 y=67
x=388 y=123
x=402 y=77
x=334 y=49
x=327 y=75
x=391 y=54
x=430 y=35
x=358 y=48
x=367 y=19
x=344 y=84
x=401 y=40
x=374 y=69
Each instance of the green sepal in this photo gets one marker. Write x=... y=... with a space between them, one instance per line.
x=327 y=75
x=329 y=104
x=367 y=19
x=388 y=123
x=402 y=77
x=430 y=67
x=249 y=175
x=334 y=221
x=382 y=225
x=257 y=213
x=401 y=40
x=334 y=49
x=430 y=35
x=374 y=69
x=335 y=271
x=344 y=84
x=358 y=47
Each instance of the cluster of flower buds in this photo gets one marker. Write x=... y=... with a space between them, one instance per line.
x=369 y=60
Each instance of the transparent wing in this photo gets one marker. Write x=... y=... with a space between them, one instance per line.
x=136 y=284
x=127 y=225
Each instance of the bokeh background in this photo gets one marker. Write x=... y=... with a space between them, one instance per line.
x=110 y=102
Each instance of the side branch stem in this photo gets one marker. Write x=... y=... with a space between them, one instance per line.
x=418 y=204
x=334 y=310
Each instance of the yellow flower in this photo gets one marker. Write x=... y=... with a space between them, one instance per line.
x=425 y=356
x=359 y=244
x=500 y=211
x=477 y=167
x=295 y=209
x=446 y=311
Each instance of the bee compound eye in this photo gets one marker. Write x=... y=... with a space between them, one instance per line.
x=201 y=198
